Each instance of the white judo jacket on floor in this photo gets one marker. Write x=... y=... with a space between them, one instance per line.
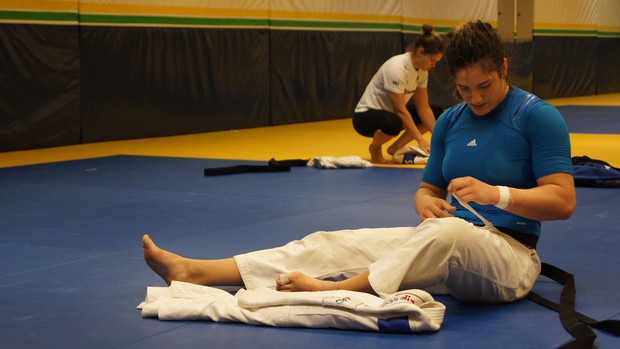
x=403 y=312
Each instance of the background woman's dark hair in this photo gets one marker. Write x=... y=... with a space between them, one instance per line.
x=475 y=42
x=429 y=41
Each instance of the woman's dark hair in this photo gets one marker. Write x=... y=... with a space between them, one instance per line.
x=475 y=42
x=429 y=41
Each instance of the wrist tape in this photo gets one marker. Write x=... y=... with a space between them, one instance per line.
x=504 y=197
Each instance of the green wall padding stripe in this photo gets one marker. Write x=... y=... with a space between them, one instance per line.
x=418 y=28
x=333 y=25
x=164 y=20
x=565 y=32
x=39 y=16
x=609 y=34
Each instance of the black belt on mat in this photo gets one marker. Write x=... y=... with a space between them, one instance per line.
x=577 y=324
x=273 y=165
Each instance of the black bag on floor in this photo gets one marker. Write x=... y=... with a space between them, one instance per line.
x=590 y=172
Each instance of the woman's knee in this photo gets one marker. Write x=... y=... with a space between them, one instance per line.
x=447 y=229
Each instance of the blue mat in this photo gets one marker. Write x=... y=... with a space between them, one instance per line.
x=72 y=273
x=591 y=119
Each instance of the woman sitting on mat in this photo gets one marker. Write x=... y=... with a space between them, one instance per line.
x=382 y=112
x=504 y=153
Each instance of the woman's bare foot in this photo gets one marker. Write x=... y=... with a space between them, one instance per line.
x=298 y=281
x=376 y=154
x=167 y=265
x=392 y=149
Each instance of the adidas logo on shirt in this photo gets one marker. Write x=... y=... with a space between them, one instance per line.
x=472 y=143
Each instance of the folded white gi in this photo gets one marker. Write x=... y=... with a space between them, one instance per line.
x=410 y=155
x=407 y=311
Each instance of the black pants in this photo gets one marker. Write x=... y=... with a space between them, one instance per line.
x=366 y=123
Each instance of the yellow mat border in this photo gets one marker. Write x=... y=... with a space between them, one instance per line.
x=296 y=141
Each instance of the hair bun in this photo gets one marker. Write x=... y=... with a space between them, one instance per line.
x=427 y=29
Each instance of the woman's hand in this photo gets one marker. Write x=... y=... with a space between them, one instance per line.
x=429 y=202
x=469 y=189
x=425 y=145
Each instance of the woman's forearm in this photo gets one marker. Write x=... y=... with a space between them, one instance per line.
x=549 y=201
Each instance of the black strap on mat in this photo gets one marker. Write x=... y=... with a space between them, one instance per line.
x=272 y=166
x=577 y=324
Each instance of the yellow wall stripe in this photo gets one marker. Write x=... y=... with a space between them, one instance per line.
x=362 y=15
x=179 y=11
x=39 y=5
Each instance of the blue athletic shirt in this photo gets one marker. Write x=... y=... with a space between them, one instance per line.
x=522 y=140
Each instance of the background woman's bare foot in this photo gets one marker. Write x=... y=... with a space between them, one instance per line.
x=376 y=154
x=168 y=266
x=302 y=282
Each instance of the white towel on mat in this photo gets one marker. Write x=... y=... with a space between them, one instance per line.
x=338 y=162
x=405 y=311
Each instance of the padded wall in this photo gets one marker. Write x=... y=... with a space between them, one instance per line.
x=564 y=66
x=320 y=75
x=95 y=70
x=146 y=82
x=39 y=86
x=608 y=65
x=520 y=66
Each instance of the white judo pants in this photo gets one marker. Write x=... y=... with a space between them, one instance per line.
x=477 y=264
